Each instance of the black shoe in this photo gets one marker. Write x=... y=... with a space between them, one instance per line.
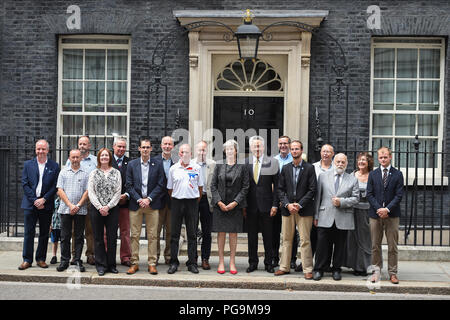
x=293 y=265
x=113 y=270
x=337 y=275
x=276 y=263
x=269 y=268
x=360 y=273
x=101 y=272
x=193 y=268
x=63 y=266
x=54 y=260
x=80 y=266
x=172 y=269
x=252 y=268
x=299 y=268
x=317 y=275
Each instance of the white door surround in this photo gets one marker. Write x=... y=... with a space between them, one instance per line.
x=288 y=44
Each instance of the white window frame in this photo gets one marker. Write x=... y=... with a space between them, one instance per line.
x=411 y=45
x=61 y=47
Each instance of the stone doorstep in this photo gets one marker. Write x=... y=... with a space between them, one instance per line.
x=406 y=253
x=242 y=282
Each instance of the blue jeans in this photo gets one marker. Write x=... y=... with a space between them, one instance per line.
x=31 y=217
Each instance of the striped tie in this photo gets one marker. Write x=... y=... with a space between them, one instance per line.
x=385 y=171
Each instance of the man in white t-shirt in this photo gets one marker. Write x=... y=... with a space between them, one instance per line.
x=185 y=186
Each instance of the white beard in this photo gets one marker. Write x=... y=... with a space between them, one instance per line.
x=340 y=171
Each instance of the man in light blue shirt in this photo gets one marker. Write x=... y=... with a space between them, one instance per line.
x=284 y=157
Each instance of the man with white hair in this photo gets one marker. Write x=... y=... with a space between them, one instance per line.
x=337 y=193
x=262 y=201
x=120 y=162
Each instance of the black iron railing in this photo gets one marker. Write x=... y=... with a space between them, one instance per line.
x=425 y=205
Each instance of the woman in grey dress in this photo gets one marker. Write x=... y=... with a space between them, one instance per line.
x=229 y=187
x=358 y=253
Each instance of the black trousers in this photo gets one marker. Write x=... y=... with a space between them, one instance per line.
x=326 y=238
x=313 y=239
x=78 y=222
x=187 y=209
x=276 y=240
x=206 y=224
x=105 y=258
x=260 y=221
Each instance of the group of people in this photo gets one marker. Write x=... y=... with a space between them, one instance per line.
x=336 y=219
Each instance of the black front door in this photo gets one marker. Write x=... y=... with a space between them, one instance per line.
x=249 y=113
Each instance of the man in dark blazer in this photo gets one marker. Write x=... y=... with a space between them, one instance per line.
x=167 y=145
x=262 y=203
x=296 y=190
x=120 y=162
x=39 y=178
x=145 y=185
x=384 y=193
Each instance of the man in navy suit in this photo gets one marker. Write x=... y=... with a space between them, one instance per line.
x=167 y=145
x=39 y=179
x=145 y=185
x=120 y=162
x=262 y=202
x=384 y=193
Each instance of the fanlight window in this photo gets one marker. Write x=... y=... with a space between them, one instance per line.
x=249 y=75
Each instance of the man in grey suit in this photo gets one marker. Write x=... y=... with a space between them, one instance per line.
x=337 y=193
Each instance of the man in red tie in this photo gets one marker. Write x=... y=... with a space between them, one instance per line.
x=384 y=193
x=120 y=162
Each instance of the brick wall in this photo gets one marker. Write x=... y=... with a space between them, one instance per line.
x=30 y=30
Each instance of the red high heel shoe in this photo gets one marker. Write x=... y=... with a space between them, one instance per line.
x=233 y=271
x=220 y=271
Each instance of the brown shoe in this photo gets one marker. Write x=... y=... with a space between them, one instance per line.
x=24 y=265
x=42 y=264
x=394 y=279
x=133 y=269
x=90 y=260
x=205 y=265
x=152 y=270
x=308 y=276
x=280 y=272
